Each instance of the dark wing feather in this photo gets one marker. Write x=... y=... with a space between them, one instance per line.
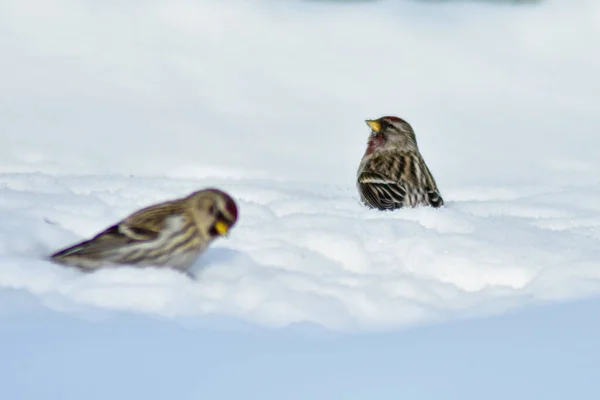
x=146 y=224
x=143 y=225
x=434 y=196
x=397 y=179
x=104 y=241
x=380 y=192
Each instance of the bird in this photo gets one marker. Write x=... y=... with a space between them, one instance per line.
x=392 y=173
x=171 y=234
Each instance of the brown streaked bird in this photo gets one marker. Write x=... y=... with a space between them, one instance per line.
x=169 y=234
x=392 y=174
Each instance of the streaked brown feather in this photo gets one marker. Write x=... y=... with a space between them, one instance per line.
x=395 y=179
x=172 y=233
x=146 y=223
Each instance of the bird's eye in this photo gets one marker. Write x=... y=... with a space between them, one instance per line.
x=213 y=209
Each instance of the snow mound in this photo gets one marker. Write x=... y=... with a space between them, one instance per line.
x=311 y=254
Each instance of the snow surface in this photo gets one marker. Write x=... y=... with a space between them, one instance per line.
x=111 y=106
x=114 y=107
x=305 y=253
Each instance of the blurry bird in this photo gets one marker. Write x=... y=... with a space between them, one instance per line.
x=392 y=173
x=168 y=234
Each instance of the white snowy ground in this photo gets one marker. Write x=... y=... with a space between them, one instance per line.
x=305 y=253
x=108 y=107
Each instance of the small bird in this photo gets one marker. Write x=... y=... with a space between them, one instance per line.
x=392 y=173
x=169 y=234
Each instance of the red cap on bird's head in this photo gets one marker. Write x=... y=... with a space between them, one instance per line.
x=393 y=119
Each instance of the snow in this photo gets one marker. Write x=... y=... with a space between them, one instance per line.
x=306 y=254
x=110 y=107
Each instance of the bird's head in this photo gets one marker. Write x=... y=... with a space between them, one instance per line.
x=390 y=133
x=214 y=210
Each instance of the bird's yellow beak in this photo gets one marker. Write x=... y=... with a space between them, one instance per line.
x=375 y=125
x=222 y=228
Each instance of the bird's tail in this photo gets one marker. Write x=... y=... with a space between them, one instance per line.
x=76 y=249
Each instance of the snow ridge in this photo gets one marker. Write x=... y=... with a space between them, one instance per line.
x=312 y=255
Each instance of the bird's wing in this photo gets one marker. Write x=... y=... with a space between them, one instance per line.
x=109 y=239
x=141 y=226
x=147 y=223
x=434 y=196
x=381 y=192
